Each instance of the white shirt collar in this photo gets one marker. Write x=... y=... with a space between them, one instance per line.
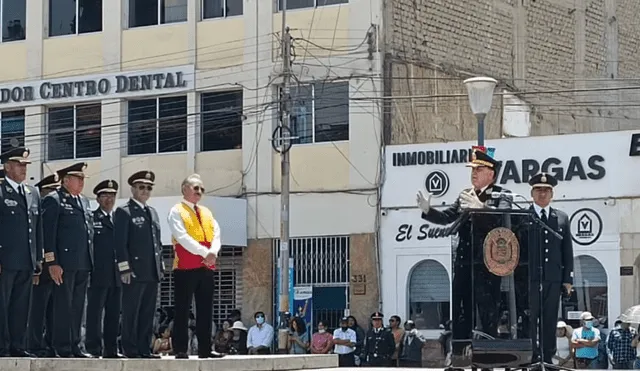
x=139 y=203
x=538 y=210
x=13 y=183
x=106 y=213
x=190 y=204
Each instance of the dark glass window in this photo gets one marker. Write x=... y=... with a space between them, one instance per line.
x=14 y=19
x=74 y=132
x=69 y=17
x=157 y=125
x=153 y=12
x=12 y=133
x=320 y=112
x=221 y=121
x=299 y=4
x=221 y=8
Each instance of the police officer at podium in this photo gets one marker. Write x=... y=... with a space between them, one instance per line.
x=68 y=230
x=484 y=170
x=379 y=344
x=140 y=264
x=41 y=315
x=557 y=260
x=104 y=297
x=20 y=251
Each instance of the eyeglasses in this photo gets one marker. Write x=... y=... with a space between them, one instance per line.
x=198 y=189
x=145 y=187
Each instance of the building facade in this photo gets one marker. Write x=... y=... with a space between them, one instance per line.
x=189 y=86
x=596 y=189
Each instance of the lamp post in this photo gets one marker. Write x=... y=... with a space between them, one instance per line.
x=480 y=91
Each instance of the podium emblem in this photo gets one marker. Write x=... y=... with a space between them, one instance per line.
x=501 y=251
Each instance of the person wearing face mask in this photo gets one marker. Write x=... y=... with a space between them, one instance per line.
x=622 y=351
x=344 y=341
x=321 y=341
x=260 y=336
x=585 y=340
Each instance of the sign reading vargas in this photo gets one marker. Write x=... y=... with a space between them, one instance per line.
x=584 y=167
x=96 y=87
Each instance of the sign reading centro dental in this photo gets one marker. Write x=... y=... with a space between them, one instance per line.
x=587 y=165
x=96 y=87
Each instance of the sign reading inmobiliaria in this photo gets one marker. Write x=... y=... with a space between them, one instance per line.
x=588 y=166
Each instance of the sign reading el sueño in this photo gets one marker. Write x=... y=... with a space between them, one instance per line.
x=97 y=87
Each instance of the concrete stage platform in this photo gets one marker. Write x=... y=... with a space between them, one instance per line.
x=229 y=363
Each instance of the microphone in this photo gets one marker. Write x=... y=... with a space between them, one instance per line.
x=504 y=194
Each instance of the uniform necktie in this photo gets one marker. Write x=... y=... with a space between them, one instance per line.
x=197 y=210
x=543 y=215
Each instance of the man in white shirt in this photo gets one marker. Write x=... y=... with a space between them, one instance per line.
x=344 y=340
x=196 y=242
x=260 y=336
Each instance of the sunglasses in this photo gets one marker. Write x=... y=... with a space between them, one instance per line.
x=198 y=189
x=145 y=187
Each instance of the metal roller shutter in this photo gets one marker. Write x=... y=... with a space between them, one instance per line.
x=591 y=289
x=429 y=283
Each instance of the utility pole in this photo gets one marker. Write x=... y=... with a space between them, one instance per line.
x=285 y=138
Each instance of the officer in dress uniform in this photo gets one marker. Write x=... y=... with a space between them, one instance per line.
x=105 y=290
x=557 y=256
x=139 y=254
x=41 y=315
x=379 y=344
x=1 y=175
x=20 y=251
x=487 y=296
x=68 y=227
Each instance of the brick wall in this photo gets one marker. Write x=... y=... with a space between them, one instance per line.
x=530 y=46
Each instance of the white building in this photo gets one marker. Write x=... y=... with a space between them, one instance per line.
x=193 y=86
x=598 y=189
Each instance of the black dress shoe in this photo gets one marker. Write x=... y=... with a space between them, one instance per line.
x=182 y=356
x=211 y=355
x=113 y=355
x=21 y=353
x=65 y=355
x=81 y=354
x=5 y=353
x=150 y=356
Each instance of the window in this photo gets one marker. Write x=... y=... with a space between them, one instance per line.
x=221 y=121
x=320 y=112
x=299 y=4
x=152 y=12
x=14 y=19
x=70 y=17
x=157 y=125
x=74 y=132
x=12 y=134
x=590 y=291
x=429 y=300
x=221 y=8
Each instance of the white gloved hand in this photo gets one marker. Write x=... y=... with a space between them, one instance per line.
x=424 y=203
x=469 y=200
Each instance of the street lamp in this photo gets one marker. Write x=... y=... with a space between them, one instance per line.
x=480 y=96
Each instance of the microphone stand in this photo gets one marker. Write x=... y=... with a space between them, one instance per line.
x=540 y=365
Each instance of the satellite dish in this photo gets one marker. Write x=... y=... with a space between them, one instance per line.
x=14 y=142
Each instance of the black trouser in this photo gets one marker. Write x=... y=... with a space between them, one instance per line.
x=346 y=360
x=551 y=292
x=198 y=282
x=68 y=308
x=138 y=310
x=379 y=361
x=486 y=297
x=15 y=299
x=101 y=300
x=41 y=316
